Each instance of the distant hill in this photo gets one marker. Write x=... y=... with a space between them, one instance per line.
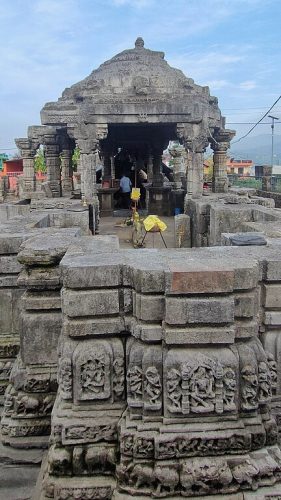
x=258 y=149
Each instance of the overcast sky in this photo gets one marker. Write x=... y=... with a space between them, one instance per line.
x=231 y=45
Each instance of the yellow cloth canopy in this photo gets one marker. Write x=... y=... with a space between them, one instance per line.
x=153 y=222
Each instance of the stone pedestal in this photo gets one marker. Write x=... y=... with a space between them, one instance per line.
x=106 y=201
x=158 y=200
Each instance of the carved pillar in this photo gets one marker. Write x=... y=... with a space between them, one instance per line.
x=177 y=152
x=112 y=164
x=195 y=176
x=66 y=169
x=220 y=145
x=28 y=150
x=53 y=164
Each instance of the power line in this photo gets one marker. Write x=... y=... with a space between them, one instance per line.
x=248 y=123
x=251 y=129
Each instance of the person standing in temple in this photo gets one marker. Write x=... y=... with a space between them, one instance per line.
x=125 y=188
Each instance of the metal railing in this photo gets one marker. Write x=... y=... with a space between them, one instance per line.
x=272 y=183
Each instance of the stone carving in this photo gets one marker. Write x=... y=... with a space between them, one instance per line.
x=93 y=370
x=60 y=461
x=204 y=477
x=245 y=473
x=143 y=448
x=65 y=378
x=249 y=392
x=118 y=378
x=98 y=493
x=264 y=380
x=174 y=390
x=5 y=368
x=94 y=434
x=229 y=389
x=153 y=388
x=134 y=380
x=202 y=387
x=100 y=459
x=273 y=372
x=167 y=479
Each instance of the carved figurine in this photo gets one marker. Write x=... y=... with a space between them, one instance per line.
x=100 y=459
x=60 y=461
x=134 y=377
x=142 y=475
x=273 y=371
x=174 y=390
x=229 y=389
x=118 y=377
x=249 y=388
x=93 y=374
x=202 y=395
x=167 y=479
x=245 y=473
x=264 y=383
x=152 y=385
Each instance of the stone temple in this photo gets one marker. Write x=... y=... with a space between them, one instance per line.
x=144 y=373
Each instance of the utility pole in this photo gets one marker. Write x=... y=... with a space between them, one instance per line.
x=272 y=136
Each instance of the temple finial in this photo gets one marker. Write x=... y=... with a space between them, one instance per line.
x=139 y=43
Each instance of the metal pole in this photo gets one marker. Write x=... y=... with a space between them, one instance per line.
x=272 y=137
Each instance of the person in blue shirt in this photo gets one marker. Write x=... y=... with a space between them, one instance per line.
x=125 y=189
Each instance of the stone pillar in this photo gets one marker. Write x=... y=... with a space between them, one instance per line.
x=150 y=168
x=28 y=150
x=220 y=145
x=53 y=164
x=177 y=152
x=112 y=162
x=88 y=177
x=157 y=178
x=66 y=169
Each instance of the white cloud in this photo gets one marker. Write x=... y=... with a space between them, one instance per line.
x=248 y=85
x=217 y=84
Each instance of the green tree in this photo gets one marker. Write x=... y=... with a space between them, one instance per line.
x=39 y=162
x=75 y=158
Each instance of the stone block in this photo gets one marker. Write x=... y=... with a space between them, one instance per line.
x=246 y=304
x=41 y=278
x=41 y=301
x=149 y=307
x=90 y=302
x=210 y=335
x=89 y=327
x=92 y=271
x=272 y=318
x=246 y=275
x=39 y=337
x=180 y=311
x=184 y=279
x=10 y=281
x=272 y=296
x=273 y=270
x=246 y=329
x=9 y=264
x=149 y=333
x=149 y=280
x=6 y=309
x=10 y=243
x=182 y=231
x=40 y=251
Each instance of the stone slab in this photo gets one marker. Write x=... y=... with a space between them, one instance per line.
x=41 y=301
x=9 y=264
x=185 y=336
x=272 y=318
x=88 y=327
x=92 y=271
x=272 y=298
x=186 y=281
x=181 y=311
x=90 y=302
x=39 y=337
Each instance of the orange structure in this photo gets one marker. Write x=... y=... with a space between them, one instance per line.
x=239 y=167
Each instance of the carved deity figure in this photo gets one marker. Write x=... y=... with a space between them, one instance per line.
x=202 y=394
x=174 y=390
x=118 y=377
x=152 y=385
x=249 y=388
x=272 y=365
x=134 y=378
x=93 y=374
x=264 y=382
x=229 y=388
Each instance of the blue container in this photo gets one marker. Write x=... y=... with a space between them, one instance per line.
x=177 y=211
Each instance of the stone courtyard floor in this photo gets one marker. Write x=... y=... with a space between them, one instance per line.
x=115 y=225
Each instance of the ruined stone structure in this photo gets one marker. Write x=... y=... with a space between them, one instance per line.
x=145 y=372
x=135 y=102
